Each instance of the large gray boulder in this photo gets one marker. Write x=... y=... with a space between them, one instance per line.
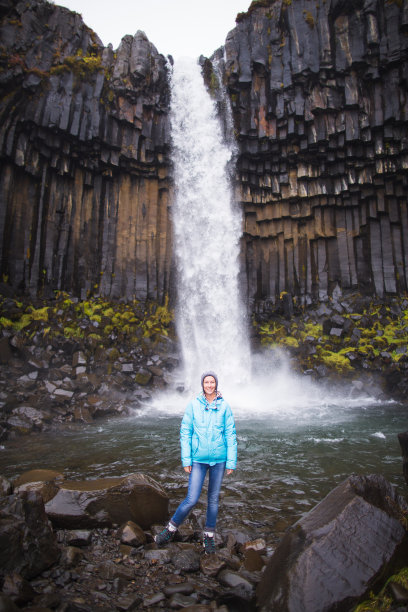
x=331 y=557
x=108 y=501
x=27 y=543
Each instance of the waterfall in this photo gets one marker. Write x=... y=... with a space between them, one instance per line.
x=207 y=227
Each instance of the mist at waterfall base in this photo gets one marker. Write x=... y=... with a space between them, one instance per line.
x=297 y=439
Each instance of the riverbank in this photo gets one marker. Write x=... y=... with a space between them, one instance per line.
x=65 y=360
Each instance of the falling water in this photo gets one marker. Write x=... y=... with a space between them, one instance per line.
x=208 y=227
x=210 y=317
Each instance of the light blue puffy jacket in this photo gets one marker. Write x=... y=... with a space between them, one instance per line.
x=208 y=435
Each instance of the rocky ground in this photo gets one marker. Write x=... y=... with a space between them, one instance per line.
x=46 y=568
x=65 y=360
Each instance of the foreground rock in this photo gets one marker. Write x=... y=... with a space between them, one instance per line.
x=330 y=558
x=104 y=569
x=403 y=441
x=27 y=543
x=109 y=501
x=327 y=560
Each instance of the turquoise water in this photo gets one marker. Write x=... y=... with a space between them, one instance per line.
x=286 y=463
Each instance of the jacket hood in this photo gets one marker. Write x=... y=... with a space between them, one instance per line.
x=201 y=398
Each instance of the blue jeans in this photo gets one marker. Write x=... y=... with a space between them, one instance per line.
x=195 y=484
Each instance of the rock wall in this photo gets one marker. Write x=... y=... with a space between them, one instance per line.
x=84 y=188
x=320 y=103
x=320 y=108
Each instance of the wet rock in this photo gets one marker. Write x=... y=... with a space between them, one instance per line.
x=71 y=556
x=18 y=589
x=5 y=351
x=153 y=600
x=109 y=501
x=235 y=581
x=161 y=555
x=253 y=560
x=27 y=543
x=259 y=545
x=82 y=414
x=78 y=359
x=5 y=486
x=178 y=600
x=403 y=441
x=7 y=604
x=47 y=490
x=186 y=561
x=128 y=602
x=42 y=481
x=132 y=534
x=79 y=537
x=108 y=570
x=211 y=565
x=143 y=377
x=344 y=543
x=186 y=588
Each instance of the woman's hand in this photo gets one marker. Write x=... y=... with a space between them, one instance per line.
x=229 y=472
x=187 y=468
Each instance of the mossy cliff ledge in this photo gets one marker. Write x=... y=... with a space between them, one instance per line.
x=83 y=147
x=319 y=97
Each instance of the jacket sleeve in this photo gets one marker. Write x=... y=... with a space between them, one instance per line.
x=186 y=432
x=231 y=440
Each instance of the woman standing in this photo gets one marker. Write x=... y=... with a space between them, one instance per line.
x=208 y=444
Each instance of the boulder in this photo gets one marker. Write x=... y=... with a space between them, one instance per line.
x=5 y=351
x=333 y=556
x=27 y=543
x=42 y=481
x=108 y=501
x=18 y=589
x=403 y=441
x=5 y=486
x=186 y=561
x=132 y=534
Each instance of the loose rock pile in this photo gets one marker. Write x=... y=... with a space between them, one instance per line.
x=66 y=360
x=328 y=560
x=118 y=567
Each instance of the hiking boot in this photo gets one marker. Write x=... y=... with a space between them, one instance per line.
x=164 y=537
x=209 y=545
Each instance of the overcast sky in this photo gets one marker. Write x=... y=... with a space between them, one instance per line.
x=176 y=27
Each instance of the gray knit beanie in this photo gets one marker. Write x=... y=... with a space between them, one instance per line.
x=209 y=373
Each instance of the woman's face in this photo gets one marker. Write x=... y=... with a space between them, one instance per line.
x=209 y=385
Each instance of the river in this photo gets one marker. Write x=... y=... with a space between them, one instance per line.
x=288 y=460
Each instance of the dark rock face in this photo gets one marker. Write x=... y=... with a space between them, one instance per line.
x=319 y=96
x=27 y=543
x=331 y=557
x=83 y=149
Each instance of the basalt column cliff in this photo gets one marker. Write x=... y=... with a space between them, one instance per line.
x=83 y=141
x=319 y=96
x=320 y=103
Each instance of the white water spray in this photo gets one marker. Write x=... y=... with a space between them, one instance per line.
x=210 y=318
x=207 y=227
